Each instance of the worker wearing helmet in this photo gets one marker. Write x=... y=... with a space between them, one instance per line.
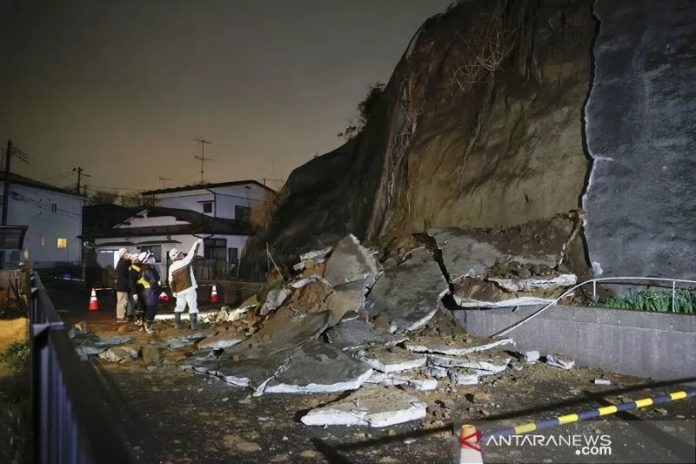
x=124 y=307
x=152 y=287
x=135 y=272
x=183 y=284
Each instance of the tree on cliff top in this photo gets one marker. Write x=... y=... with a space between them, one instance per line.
x=366 y=109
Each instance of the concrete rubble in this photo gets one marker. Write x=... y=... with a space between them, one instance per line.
x=406 y=296
x=372 y=407
x=119 y=354
x=560 y=362
x=350 y=261
x=275 y=299
x=351 y=329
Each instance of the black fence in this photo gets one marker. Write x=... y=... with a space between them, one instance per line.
x=72 y=423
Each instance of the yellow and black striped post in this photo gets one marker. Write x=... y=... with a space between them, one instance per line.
x=588 y=414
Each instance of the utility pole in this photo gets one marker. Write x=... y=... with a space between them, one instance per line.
x=80 y=173
x=203 y=159
x=6 y=184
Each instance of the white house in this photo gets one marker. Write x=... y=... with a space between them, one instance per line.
x=53 y=217
x=229 y=200
x=159 y=229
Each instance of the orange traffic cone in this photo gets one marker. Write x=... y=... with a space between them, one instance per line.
x=213 y=295
x=93 y=302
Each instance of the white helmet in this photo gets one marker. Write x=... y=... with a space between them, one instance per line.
x=174 y=253
x=150 y=260
x=122 y=253
x=142 y=256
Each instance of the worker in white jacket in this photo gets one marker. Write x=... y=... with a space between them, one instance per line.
x=183 y=284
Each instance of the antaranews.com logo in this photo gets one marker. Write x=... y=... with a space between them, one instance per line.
x=585 y=445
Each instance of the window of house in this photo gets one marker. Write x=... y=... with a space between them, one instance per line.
x=215 y=248
x=62 y=243
x=156 y=251
x=242 y=213
x=208 y=207
x=232 y=256
x=54 y=208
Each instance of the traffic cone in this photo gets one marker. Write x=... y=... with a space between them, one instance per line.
x=470 y=446
x=93 y=302
x=213 y=295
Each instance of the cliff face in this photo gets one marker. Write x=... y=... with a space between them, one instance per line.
x=479 y=125
x=483 y=121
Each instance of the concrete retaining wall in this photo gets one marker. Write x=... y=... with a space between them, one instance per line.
x=656 y=345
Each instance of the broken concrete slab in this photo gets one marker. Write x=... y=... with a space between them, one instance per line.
x=178 y=342
x=87 y=349
x=308 y=280
x=455 y=346
x=463 y=376
x=203 y=316
x=373 y=407
x=113 y=341
x=221 y=340
x=475 y=251
x=394 y=360
x=318 y=367
x=405 y=297
x=536 y=283
x=274 y=300
x=495 y=361
x=346 y=298
x=391 y=379
x=284 y=331
x=354 y=333
x=119 y=353
x=350 y=261
x=251 y=373
x=561 y=362
x=530 y=357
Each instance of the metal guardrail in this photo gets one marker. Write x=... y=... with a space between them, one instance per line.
x=616 y=280
x=72 y=423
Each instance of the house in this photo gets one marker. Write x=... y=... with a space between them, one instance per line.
x=229 y=200
x=53 y=217
x=159 y=229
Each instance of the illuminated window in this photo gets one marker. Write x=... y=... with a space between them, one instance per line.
x=62 y=243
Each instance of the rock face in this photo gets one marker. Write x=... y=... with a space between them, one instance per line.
x=641 y=120
x=495 y=117
x=455 y=140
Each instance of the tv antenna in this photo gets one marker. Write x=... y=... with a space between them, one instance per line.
x=202 y=157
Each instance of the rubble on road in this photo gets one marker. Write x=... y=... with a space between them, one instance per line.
x=220 y=340
x=317 y=367
x=119 y=354
x=391 y=360
x=530 y=357
x=355 y=333
x=310 y=259
x=455 y=346
x=560 y=362
x=495 y=361
x=373 y=407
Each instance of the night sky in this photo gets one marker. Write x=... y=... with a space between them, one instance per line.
x=123 y=88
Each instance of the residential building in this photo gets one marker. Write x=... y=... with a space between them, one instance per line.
x=228 y=200
x=53 y=217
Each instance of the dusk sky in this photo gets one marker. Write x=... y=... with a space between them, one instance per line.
x=123 y=88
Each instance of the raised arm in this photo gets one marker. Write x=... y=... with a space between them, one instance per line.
x=192 y=253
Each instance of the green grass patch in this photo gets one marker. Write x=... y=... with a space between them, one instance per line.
x=656 y=301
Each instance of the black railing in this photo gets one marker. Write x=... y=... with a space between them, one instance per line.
x=71 y=421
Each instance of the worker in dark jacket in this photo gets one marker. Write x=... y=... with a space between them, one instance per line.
x=135 y=272
x=124 y=307
x=152 y=287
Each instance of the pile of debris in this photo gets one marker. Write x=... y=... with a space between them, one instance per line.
x=351 y=323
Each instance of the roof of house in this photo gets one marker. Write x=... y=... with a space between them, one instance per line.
x=101 y=218
x=198 y=224
x=17 y=179
x=206 y=186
